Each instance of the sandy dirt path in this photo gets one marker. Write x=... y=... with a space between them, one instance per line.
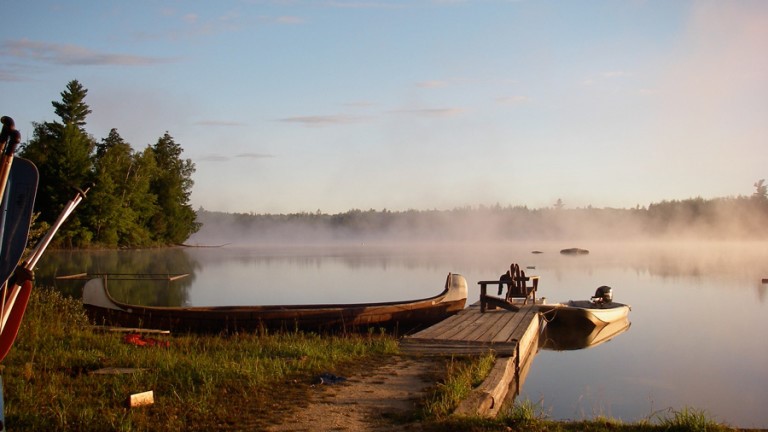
x=369 y=401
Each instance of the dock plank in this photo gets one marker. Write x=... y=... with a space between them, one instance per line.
x=520 y=330
x=487 y=333
x=440 y=347
x=486 y=321
x=504 y=333
x=472 y=321
x=443 y=329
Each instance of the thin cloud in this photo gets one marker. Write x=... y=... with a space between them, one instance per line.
x=72 y=55
x=432 y=84
x=190 y=18
x=215 y=157
x=10 y=76
x=615 y=74
x=604 y=77
x=431 y=112
x=193 y=25
x=360 y=104
x=517 y=99
x=292 y=20
x=364 y=5
x=254 y=156
x=218 y=123
x=322 y=120
x=17 y=72
x=282 y=20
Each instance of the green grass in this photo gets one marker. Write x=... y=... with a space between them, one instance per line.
x=528 y=416
x=461 y=375
x=199 y=382
x=689 y=419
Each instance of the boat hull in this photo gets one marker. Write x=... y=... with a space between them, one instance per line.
x=400 y=316
x=581 y=312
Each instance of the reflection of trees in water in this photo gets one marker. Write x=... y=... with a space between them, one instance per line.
x=446 y=257
x=738 y=265
x=668 y=260
x=736 y=262
x=151 y=261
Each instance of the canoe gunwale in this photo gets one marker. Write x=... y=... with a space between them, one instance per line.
x=330 y=306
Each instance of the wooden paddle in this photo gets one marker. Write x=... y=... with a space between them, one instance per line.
x=19 y=286
x=9 y=139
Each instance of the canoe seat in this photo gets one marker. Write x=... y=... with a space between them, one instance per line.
x=517 y=286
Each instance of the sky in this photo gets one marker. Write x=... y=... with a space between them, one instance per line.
x=297 y=105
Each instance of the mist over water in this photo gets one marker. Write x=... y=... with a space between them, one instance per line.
x=696 y=219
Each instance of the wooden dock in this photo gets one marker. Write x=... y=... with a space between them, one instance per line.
x=471 y=332
x=512 y=336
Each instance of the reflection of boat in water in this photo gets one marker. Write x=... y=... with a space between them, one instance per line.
x=559 y=337
x=578 y=312
x=403 y=315
x=598 y=311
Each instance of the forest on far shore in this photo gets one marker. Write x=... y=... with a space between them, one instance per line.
x=733 y=218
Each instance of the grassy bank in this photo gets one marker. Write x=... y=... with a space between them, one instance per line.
x=199 y=382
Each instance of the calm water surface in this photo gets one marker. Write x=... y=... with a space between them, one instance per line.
x=698 y=315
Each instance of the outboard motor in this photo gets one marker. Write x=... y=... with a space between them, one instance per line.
x=604 y=294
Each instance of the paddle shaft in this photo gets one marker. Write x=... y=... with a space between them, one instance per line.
x=29 y=264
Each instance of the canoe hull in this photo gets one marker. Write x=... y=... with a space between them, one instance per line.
x=581 y=312
x=401 y=316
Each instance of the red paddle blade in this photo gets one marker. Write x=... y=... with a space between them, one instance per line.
x=11 y=329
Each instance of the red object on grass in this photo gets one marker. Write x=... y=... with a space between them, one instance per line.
x=139 y=340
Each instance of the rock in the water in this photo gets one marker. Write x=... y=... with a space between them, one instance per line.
x=574 y=251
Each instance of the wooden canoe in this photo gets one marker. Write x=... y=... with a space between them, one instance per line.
x=579 y=312
x=402 y=316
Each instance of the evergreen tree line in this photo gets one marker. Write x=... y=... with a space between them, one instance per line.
x=733 y=218
x=138 y=198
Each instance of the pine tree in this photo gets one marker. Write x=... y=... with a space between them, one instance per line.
x=174 y=221
x=761 y=190
x=140 y=198
x=121 y=195
x=62 y=153
x=72 y=109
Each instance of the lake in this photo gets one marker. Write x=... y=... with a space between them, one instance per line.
x=698 y=309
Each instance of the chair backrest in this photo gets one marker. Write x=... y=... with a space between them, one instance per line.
x=518 y=288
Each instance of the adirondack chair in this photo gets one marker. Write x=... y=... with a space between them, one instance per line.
x=517 y=287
